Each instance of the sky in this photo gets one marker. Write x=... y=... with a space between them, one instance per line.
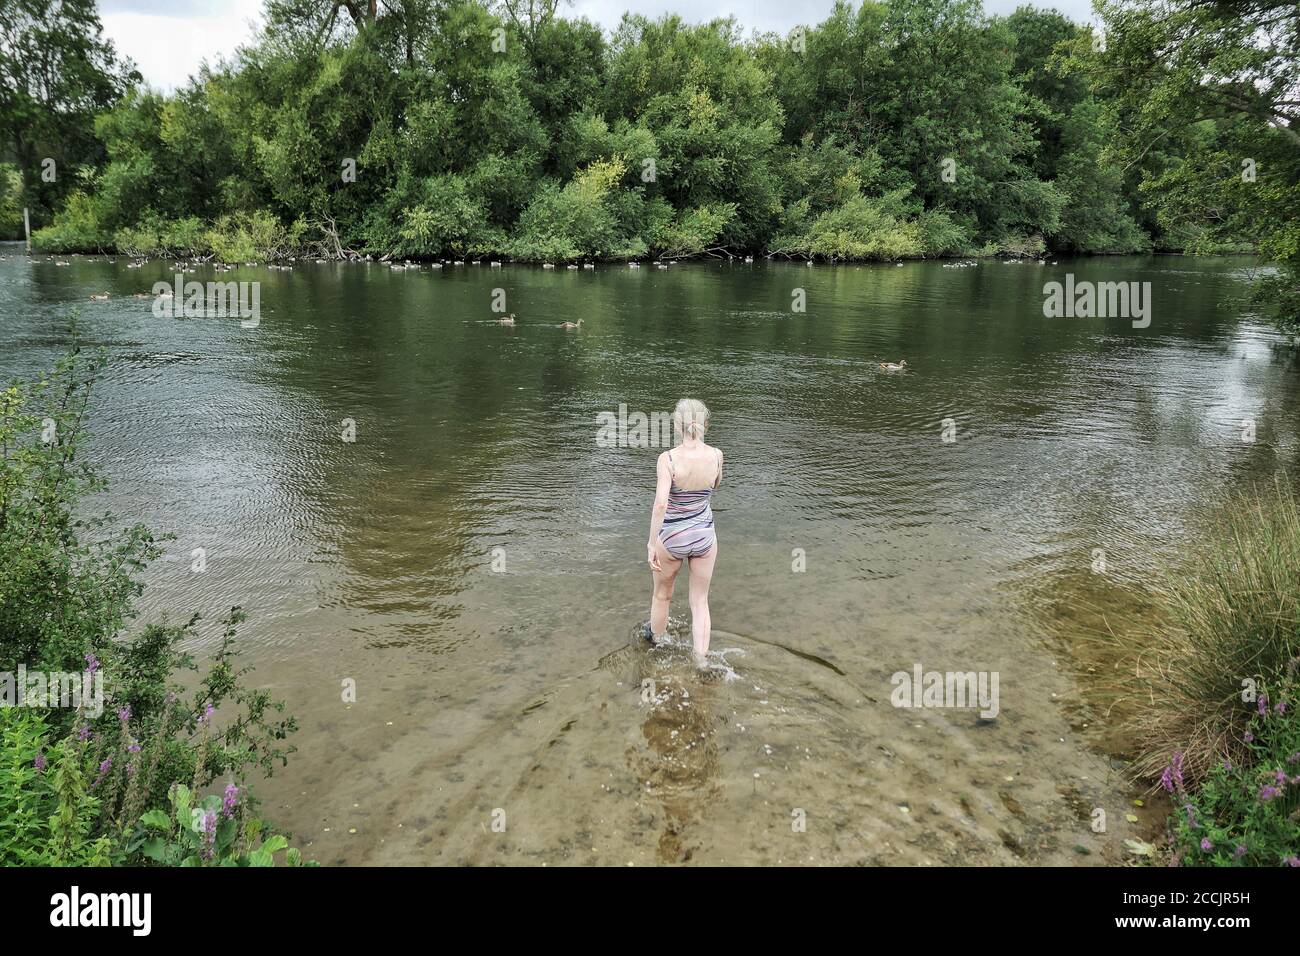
x=168 y=39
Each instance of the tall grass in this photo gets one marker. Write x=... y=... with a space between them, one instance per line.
x=1229 y=631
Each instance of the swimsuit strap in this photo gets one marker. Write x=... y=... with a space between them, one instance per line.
x=718 y=455
x=670 y=466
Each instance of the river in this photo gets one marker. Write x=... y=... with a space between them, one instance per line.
x=473 y=562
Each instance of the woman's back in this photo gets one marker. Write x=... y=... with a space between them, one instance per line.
x=695 y=469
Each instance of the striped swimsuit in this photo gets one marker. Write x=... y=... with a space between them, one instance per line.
x=687 y=531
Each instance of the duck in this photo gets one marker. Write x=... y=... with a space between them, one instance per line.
x=894 y=366
x=140 y=295
x=589 y=265
x=99 y=298
x=571 y=325
x=508 y=320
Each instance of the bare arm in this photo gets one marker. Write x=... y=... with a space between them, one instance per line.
x=662 y=486
x=665 y=481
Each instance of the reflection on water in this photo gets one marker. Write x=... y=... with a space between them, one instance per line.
x=474 y=554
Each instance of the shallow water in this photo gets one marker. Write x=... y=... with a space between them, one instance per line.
x=522 y=695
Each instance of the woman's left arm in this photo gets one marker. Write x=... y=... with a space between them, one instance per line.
x=664 y=483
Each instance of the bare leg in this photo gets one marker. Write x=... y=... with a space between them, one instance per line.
x=662 y=595
x=701 y=571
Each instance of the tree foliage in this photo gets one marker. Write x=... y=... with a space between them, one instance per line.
x=891 y=129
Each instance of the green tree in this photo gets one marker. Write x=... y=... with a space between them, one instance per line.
x=56 y=72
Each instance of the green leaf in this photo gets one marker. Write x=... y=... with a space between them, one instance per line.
x=275 y=844
x=227 y=830
x=157 y=820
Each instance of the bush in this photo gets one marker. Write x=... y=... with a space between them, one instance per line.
x=1245 y=813
x=889 y=226
x=47 y=810
x=76 y=782
x=246 y=236
x=1232 y=616
x=209 y=832
x=76 y=228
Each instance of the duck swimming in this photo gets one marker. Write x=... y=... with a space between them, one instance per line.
x=894 y=366
x=508 y=320
x=571 y=325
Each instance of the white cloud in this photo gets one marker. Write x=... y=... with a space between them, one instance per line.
x=169 y=41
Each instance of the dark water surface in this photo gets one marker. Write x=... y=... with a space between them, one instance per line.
x=521 y=691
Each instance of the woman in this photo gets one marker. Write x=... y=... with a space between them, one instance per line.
x=681 y=524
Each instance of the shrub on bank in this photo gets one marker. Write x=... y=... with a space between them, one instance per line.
x=1213 y=691
x=78 y=784
x=1244 y=813
x=1230 y=623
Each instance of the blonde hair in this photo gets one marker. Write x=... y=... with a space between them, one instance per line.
x=691 y=418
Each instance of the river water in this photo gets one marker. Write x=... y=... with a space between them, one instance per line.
x=473 y=563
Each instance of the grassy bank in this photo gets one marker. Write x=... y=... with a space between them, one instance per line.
x=1211 y=693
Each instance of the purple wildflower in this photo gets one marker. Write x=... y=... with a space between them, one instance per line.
x=1172 y=778
x=209 y=833
x=1248 y=737
x=103 y=769
x=1268 y=793
x=1262 y=704
x=1206 y=845
x=1239 y=852
x=1280 y=707
x=39 y=762
x=84 y=732
x=230 y=800
x=1293 y=861
x=1191 y=816
x=133 y=749
x=92 y=664
x=124 y=713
